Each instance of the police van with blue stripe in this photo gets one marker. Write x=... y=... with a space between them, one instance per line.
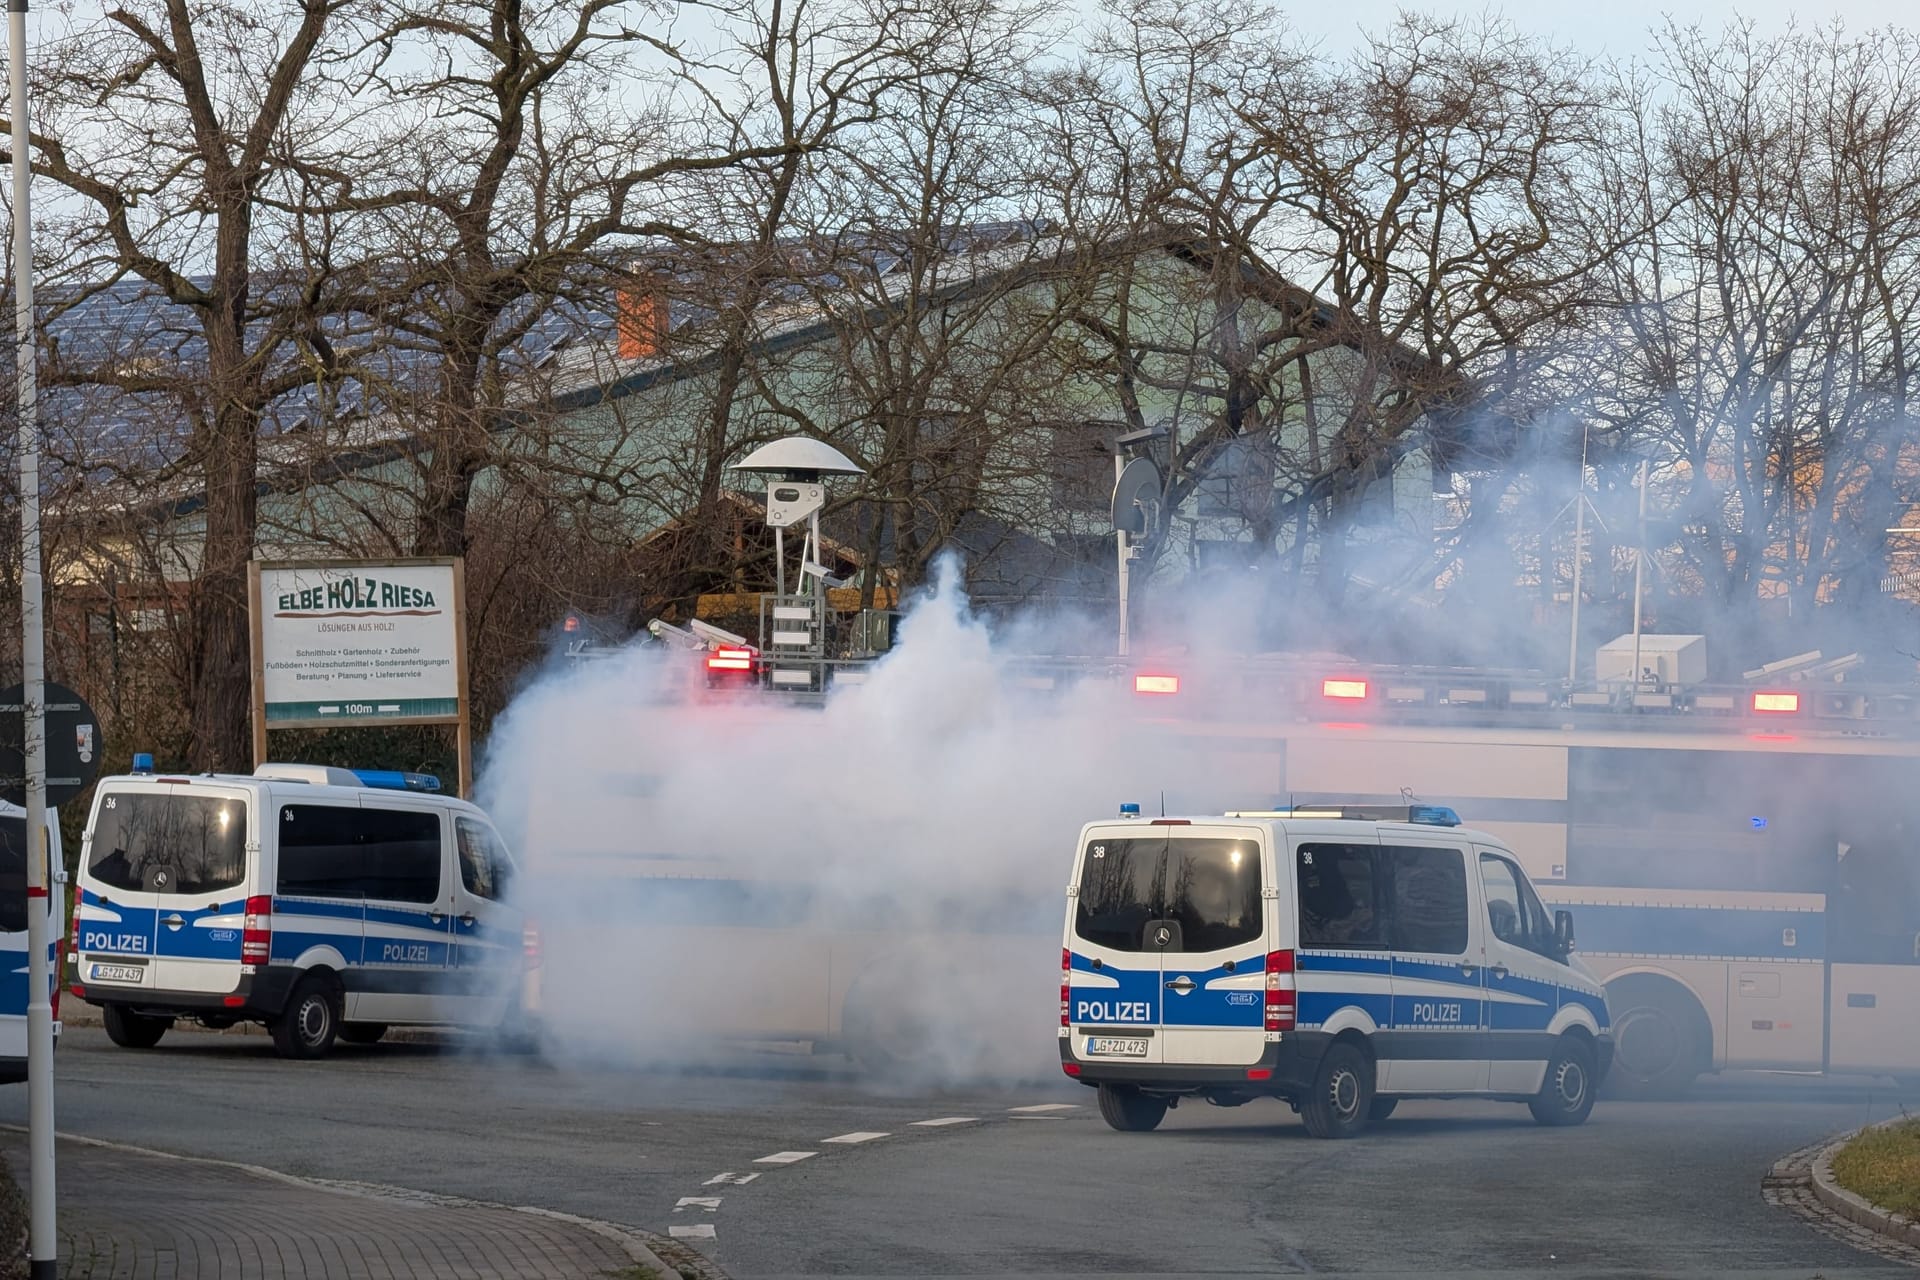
x=15 y=902
x=322 y=902
x=1340 y=958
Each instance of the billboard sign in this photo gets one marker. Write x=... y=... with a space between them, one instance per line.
x=358 y=642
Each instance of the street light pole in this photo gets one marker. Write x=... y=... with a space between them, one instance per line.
x=42 y=1244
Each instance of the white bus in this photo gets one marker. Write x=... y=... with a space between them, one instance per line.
x=1747 y=888
x=1742 y=865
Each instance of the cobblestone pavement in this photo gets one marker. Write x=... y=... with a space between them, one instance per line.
x=1789 y=1185
x=132 y=1215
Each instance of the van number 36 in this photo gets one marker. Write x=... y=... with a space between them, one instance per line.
x=404 y=952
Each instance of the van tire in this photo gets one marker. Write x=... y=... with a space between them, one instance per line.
x=310 y=1022
x=363 y=1032
x=1661 y=1040
x=1341 y=1098
x=1380 y=1108
x=1566 y=1095
x=132 y=1030
x=1129 y=1110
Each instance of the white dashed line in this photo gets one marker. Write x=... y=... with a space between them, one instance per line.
x=697 y=1202
x=693 y=1231
x=944 y=1120
x=850 y=1138
x=787 y=1157
x=730 y=1179
x=1045 y=1106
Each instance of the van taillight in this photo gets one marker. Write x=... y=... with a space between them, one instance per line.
x=1066 y=983
x=1280 y=992
x=530 y=942
x=256 y=931
x=76 y=919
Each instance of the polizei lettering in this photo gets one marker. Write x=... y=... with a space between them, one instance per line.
x=356 y=594
x=1435 y=1011
x=95 y=940
x=1112 y=1011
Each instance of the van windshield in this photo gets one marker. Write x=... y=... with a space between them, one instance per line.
x=151 y=842
x=1206 y=887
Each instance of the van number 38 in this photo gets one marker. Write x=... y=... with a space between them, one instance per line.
x=404 y=952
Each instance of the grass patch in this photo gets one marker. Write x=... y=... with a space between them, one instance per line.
x=1883 y=1166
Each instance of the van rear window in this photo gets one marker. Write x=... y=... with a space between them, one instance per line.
x=151 y=842
x=1207 y=888
x=13 y=874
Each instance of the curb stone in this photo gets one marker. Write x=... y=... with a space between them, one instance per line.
x=1857 y=1209
x=638 y=1245
x=1788 y=1185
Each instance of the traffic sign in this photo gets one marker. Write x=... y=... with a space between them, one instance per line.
x=74 y=745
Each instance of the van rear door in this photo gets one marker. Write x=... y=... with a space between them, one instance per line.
x=1113 y=952
x=1213 y=968
x=164 y=898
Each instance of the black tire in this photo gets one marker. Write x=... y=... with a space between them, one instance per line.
x=1566 y=1095
x=1129 y=1110
x=363 y=1032
x=1341 y=1098
x=1380 y=1108
x=311 y=1020
x=132 y=1030
x=1657 y=1051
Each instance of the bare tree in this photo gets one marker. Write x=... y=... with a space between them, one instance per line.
x=169 y=124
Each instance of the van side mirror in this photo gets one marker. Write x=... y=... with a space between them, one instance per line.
x=1563 y=931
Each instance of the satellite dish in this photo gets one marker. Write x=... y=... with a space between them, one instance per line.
x=1134 y=495
x=800 y=458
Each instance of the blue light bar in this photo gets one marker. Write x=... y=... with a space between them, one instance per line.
x=395 y=780
x=1434 y=815
x=143 y=762
x=1129 y=810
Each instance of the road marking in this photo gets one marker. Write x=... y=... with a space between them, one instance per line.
x=730 y=1179
x=1039 y=1117
x=786 y=1157
x=851 y=1138
x=1045 y=1106
x=692 y=1231
x=697 y=1202
x=934 y=1124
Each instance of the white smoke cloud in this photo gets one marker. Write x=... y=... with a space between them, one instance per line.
x=910 y=840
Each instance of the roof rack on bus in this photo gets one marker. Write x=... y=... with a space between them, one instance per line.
x=1432 y=815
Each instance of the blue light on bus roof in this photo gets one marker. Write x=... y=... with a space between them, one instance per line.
x=1437 y=815
x=395 y=780
x=1759 y=824
x=143 y=762
x=1129 y=810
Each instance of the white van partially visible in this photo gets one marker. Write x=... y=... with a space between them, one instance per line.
x=321 y=902
x=15 y=984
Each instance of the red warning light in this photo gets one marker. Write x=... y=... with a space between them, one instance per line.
x=573 y=622
x=1352 y=690
x=1777 y=703
x=730 y=658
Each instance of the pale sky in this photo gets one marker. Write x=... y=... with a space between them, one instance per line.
x=1601 y=27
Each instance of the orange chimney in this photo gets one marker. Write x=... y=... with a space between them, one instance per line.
x=640 y=320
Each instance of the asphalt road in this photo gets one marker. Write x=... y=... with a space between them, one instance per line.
x=1022 y=1180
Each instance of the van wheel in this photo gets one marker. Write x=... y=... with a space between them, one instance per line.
x=363 y=1032
x=311 y=1020
x=1566 y=1096
x=1129 y=1110
x=132 y=1030
x=1380 y=1108
x=1656 y=1049
x=1341 y=1098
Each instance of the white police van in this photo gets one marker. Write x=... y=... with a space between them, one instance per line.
x=322 y=902
x=1337 y=957
x=14 y=955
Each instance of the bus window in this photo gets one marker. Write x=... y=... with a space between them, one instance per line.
x=1873 y=909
